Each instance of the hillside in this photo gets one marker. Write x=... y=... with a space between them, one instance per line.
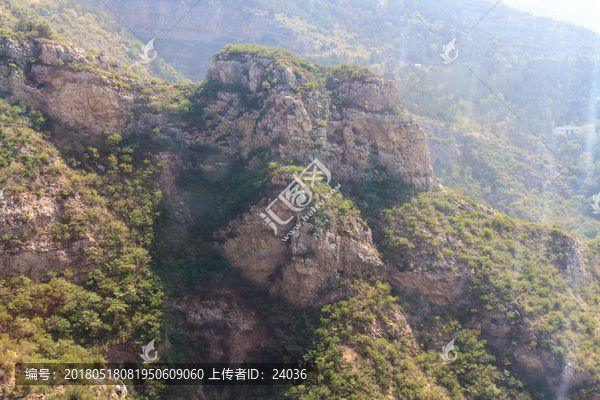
x=383 y=35
x=75 y=23
x=139 y=208
x=545 y=71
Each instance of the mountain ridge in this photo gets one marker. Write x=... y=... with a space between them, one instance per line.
x=175 y=206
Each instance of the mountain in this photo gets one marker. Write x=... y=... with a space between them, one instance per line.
x=133 y=213
x=544 y=80
x=105 y=229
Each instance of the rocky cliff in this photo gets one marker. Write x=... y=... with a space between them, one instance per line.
x=66 y=84
x=270 y=110
x=367 y=128
x=74 y=92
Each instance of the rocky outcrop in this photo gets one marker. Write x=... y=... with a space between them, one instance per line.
x=39 y=74
x=46 y=75
x=315 y=259
x=440 y=285
x=575 y=266
x=245 y=69
x=27 y=246
x=373 y=94
x=368 y=129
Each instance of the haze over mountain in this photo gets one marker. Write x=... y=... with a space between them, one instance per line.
x=579 y=12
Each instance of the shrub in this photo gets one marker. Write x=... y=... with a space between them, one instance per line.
x=32 y=30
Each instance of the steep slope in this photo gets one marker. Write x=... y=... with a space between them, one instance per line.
x=75 y=23
x=77 y=216
x=387 y=270
x=457 y=266
x=548 y=80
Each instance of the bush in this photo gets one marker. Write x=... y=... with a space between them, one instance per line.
x=32 y=30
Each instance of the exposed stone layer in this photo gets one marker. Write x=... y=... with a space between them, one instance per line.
x=84 y=100
x=306 y=268
x=39 y=256
x=369 y=130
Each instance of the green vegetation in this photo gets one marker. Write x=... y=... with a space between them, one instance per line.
x=30 y=30
x=355 y=364
x=518 y=269
x=120 y=299
x=373 y=196
x=76 y=23
x=519 y=180
x=518 y=274
x=187 y=257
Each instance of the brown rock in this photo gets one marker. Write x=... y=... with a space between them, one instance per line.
x=303 y=270
x=360 y=135
x=80 y=99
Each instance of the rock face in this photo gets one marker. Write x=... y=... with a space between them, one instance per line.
x=304 y=269
x=575 y=266
x=82 y=99
x=369 y=129
x=39 y=255
x=69 y=86
x=209 y=314
x=374 y=95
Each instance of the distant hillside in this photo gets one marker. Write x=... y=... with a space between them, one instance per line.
x=76 y=23
x=378 y=34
